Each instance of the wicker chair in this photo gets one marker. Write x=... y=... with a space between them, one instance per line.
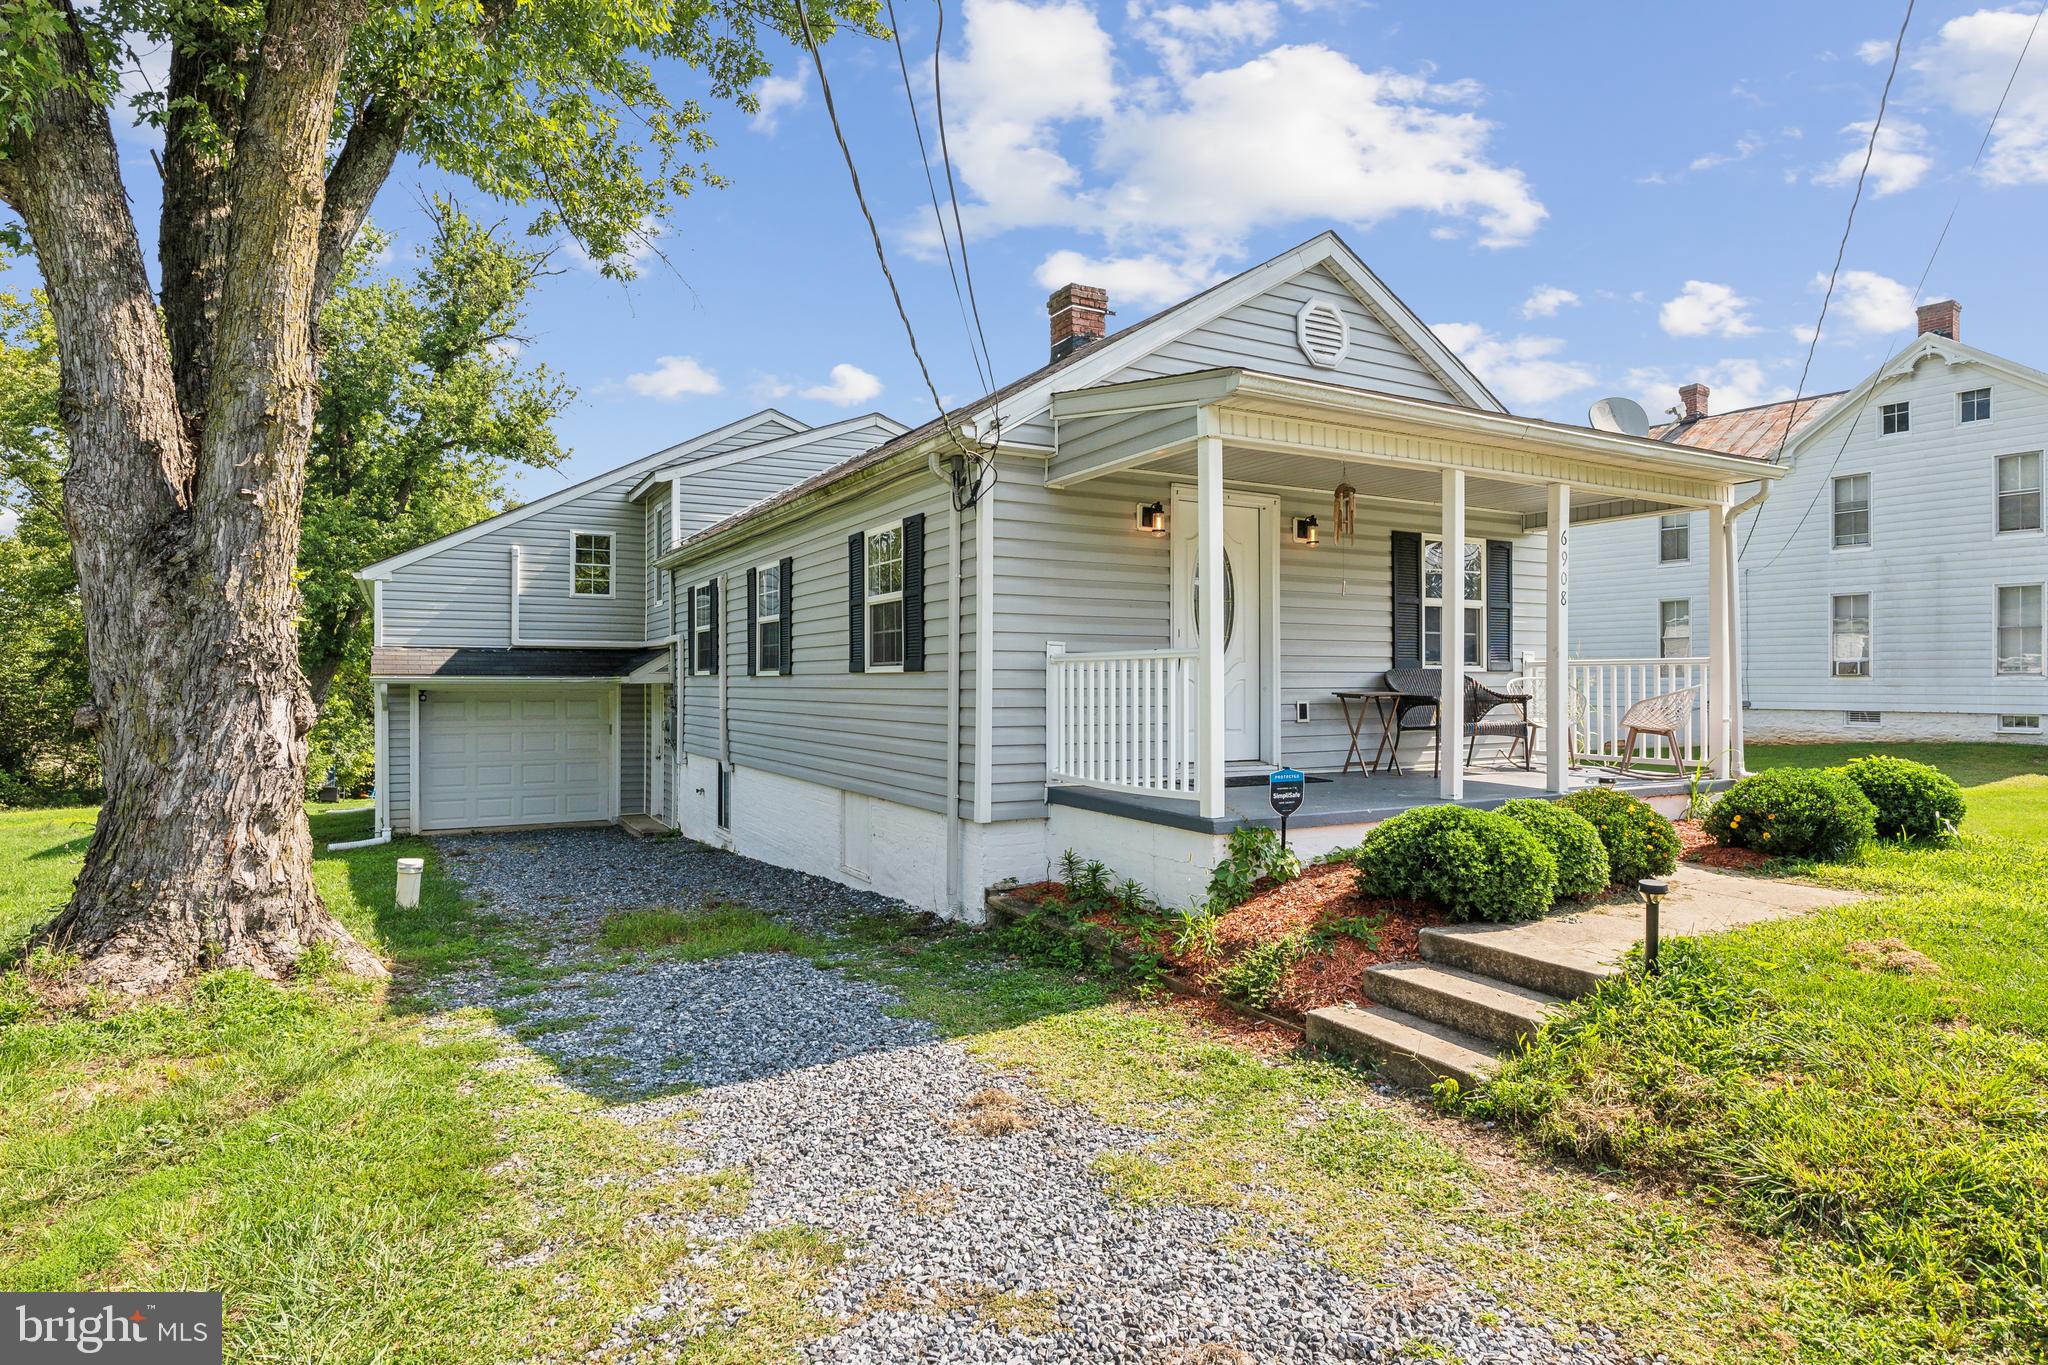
x=1416 y=713
x=1662 y=716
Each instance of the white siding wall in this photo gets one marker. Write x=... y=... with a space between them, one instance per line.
x=398 y=757
x=883 y=734
x=1932 y=568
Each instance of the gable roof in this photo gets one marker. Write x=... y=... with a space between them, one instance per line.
x=1032 y=393
x=1927 y=346
x=693 y=449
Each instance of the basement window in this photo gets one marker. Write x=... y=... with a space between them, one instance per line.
x=1866 y=717
x=2019 y=725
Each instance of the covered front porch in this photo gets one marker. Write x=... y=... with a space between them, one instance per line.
x=1252 y=480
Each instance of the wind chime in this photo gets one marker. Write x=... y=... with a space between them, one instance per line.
x=1344 y=527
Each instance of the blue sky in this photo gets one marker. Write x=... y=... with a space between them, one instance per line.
x=1594 y=199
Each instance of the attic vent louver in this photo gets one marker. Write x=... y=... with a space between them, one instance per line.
x=1323 y=334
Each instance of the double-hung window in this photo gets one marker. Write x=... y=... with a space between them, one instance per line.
x=590 y=561
x=2019 y=492
x=1852 y=510
x=1674 y=538
x=1674 y=629
x=1894 y=419
x=1474 y=599
x=2019 y=629
x=1849 y=636
x=882 y=597
x=704 y=628
x=1974 y=405
x=768 y=609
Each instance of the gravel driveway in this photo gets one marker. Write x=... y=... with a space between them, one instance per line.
x=977 y=1229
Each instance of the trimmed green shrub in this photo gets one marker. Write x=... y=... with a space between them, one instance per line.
x=1474 y=863
x=1913 y=800
x=1796 y=812
x=1581 y=858
x=1639 y=842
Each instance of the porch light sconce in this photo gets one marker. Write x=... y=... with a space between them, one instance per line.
x=1306 y=532
x=1152 y=518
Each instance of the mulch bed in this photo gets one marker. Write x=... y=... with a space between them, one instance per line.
x=1323 y=894
x=1695 y=845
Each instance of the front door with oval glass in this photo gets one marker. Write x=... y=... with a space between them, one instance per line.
x=1245 y=526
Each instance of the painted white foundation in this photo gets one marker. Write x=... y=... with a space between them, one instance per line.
x=1773 y=725
x=863 y=841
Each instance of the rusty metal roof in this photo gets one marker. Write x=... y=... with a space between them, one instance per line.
x=1756 y=432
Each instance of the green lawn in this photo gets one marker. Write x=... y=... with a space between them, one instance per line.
x=343 y=1170
x=1890 y=1125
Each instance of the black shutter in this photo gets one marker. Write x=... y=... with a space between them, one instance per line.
x=856 y=603
x=1500 y=606
x=1407 y=575
x=753 y=626
x=913 y=593
x=787 y=572
x=712 y=589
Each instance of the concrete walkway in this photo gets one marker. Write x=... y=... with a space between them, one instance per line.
x=1481 y=988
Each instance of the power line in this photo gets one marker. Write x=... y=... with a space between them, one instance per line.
x=1989 y=128
x=984 y=371
x=860 y=197
x=1842 y=247
x=1848 y=432
x=953 y=193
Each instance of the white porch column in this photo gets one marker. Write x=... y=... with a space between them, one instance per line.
x=1557 y=664
x=1719 y=616
x=1209 y=615
x=1736 y=767
x=1450 y=719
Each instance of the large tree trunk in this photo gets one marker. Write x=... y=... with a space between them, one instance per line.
x=185 y=534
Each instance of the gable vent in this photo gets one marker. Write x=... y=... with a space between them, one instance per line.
x=1323 y=333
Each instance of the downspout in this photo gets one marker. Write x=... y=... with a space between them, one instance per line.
x=1741 y=623
x=953 y=858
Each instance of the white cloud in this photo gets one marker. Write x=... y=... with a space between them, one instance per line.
x=767 y=388
x=776 y=95
x=1967 y=67
x=9 y=519
x=673 y=377
x=1898 y=162
x=1735 y=383
x=641 y=246
x=850 y=385
x=1703 y=308
x=1133 y=279
x=1745 y=148
x=1546 y=299
x=1178 y=171
x=1525 y=371
x=1184 y=34
x=1865 y=302
x=1874 y=50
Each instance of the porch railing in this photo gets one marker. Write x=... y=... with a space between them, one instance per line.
x=1604 y=690
x=1121 y=720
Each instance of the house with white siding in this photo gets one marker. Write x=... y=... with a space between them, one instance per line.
x=1891 y=586
x=946 y=659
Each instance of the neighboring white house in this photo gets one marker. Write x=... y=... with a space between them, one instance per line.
x=1892 y=586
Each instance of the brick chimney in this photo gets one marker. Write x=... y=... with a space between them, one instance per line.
x=1694 y=397
x=1080 y=315
x=1943 y=318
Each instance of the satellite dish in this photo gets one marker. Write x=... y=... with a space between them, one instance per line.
x=1624 y=415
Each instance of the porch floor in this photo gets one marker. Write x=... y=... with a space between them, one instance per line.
x=1351 y=798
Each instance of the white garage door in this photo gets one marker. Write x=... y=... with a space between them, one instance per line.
x=514 y=756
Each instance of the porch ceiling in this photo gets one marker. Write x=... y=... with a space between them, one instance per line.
x=1284 y=471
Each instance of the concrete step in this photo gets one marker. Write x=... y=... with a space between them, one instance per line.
x=1481 y=1006
x=1410 y=1051
x=1552 y=963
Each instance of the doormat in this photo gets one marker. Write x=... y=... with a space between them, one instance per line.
x=1259 y=780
